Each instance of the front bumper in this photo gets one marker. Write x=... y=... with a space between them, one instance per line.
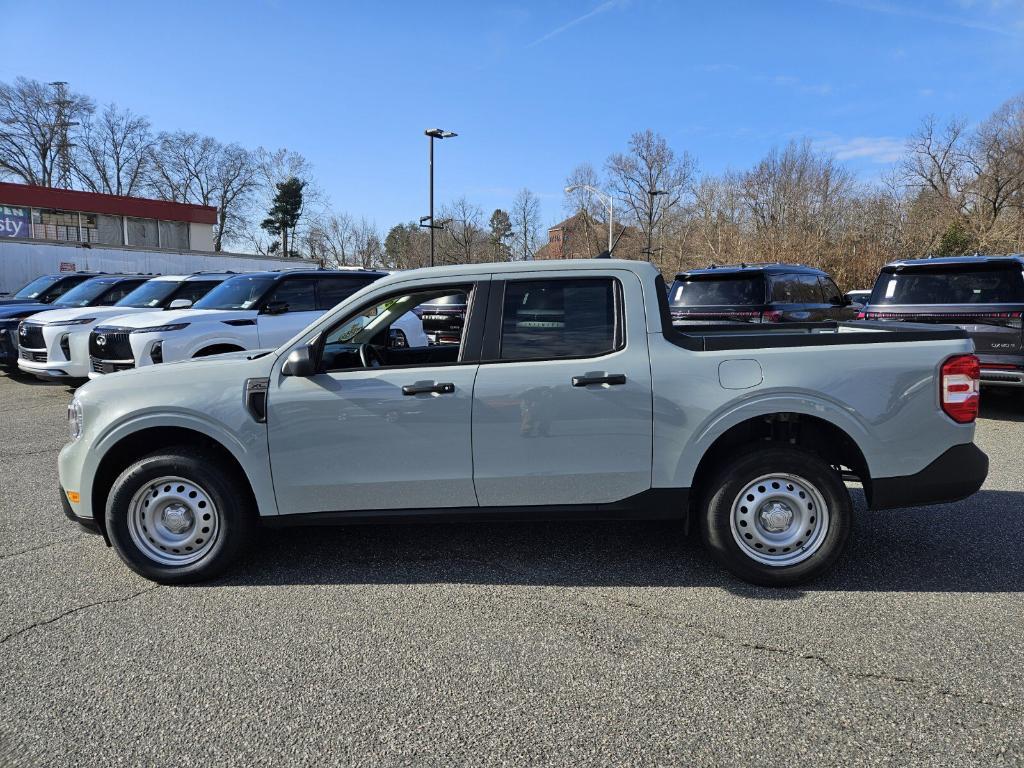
x=87 y=523
x=955 y=475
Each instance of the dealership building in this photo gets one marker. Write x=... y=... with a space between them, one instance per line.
x=70 y=216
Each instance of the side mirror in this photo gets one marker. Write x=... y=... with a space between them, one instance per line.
x=180 y=304
x=300 y=362
x=839 y=301
x=275 y=308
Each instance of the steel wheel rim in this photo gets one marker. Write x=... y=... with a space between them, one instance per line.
x=173 y=521
x=779 y=519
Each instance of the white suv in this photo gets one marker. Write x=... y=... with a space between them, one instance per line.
x=253 y=311
x=62 y=335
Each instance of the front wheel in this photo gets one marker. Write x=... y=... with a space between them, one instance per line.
x=177 y=516
x=776 y=516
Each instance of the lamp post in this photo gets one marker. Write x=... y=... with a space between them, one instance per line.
x=428 y=221
x=651 y=194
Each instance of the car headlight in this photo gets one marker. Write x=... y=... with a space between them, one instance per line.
x=161 y=328
x=79 y=321
x=76 y=419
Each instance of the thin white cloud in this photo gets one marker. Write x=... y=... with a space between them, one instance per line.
x=875 y=149
x=891 y=9
x=597 y=10
x=788 y=81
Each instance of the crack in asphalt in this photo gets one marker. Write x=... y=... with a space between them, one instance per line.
x=19 y=454
x=55 y=543
x=711 y=634
x=77 y=609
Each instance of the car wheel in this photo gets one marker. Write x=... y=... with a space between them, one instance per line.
x=776 y=516
x=178 y=516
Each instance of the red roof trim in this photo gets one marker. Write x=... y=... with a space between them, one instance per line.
x=113 y=205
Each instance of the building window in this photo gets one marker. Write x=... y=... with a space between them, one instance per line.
x=142 y=232
x=174 y=235
x=67 y=226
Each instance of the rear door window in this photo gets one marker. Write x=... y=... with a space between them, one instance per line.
x=560 y=318
x=796 y=289
x=832 y=293
x=725 y=291
x=331 y=291
x=968 y=284
x=299 y=293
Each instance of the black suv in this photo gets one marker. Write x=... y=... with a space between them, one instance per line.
x=984 y=295
x=757 y=293
x=71 y=289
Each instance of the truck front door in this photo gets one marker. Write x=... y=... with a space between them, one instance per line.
x=562 y=410
x=377 y=427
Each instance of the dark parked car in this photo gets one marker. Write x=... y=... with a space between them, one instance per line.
x=46 y=288
x=443 y=318
x=92 y=291
x=984 y=295
x=757 y=293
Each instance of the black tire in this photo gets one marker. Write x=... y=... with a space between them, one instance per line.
x=716 y=510
x=227 y=493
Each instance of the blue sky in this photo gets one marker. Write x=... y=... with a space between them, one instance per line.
x=533 y=88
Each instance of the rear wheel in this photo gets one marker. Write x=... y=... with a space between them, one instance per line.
x=177 y=516
x=776 y=516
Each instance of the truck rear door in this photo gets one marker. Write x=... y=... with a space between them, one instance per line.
x=562 y=409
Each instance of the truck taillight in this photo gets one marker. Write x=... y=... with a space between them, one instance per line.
x=861 y=315
x=771 y=316
x=959 y=388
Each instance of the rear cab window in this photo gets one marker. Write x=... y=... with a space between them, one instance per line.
x=951 y=284
x=299 y=293
x=735 y=290
x=561 y=318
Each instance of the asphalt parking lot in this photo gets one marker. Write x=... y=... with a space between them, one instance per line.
x=495 y=644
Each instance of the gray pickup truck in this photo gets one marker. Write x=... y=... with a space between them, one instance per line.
x=569 y=395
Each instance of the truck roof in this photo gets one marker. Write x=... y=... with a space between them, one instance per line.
x=545 y=265
x=767 y=268
x=938 y=261
x=312 y=271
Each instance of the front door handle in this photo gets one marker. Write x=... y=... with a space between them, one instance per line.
x=445 y=388
x=608 y=378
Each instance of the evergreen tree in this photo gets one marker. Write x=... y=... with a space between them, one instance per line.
x=284 y=213
x=501 y=234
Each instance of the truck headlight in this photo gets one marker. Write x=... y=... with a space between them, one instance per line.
x=79 y=321
x=76 y=419
x=161 y=328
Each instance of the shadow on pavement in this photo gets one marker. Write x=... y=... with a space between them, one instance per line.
x=1003 y=404
x=969 y=546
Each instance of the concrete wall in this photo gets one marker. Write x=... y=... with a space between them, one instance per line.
x=24 y=260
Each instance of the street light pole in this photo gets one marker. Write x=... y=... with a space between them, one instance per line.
x=433 y=133
x=651 y=194
x=608 y=200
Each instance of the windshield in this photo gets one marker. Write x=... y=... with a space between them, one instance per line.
x=37 y=287
x=966 y=284
x=84 y=295
x=739 y=291
x=151 y=294
x=242 y=292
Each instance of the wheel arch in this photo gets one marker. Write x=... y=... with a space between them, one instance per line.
x=147 y=440
x=813 y=433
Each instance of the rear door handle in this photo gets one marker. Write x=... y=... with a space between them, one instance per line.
x=608 y=378
x=445 y=388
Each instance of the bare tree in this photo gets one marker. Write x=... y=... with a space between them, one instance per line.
x=190 y=168
x=367 y=249
x=467 y=239
x=525 y=217
x=650 y=180
x=114 y=152
x=37 y=128
x=330 y=240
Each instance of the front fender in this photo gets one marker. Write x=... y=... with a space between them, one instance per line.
x=247 y=444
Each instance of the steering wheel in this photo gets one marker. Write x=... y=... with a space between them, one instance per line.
x=370 y=357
